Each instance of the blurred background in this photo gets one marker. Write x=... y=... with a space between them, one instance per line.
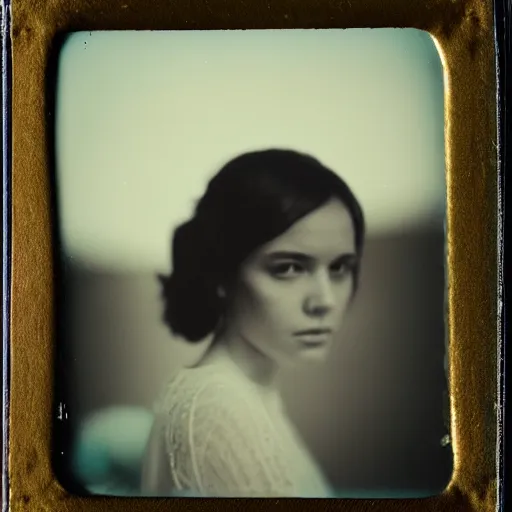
x=144 y=119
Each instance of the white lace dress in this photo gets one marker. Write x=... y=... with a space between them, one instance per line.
x=213 y=435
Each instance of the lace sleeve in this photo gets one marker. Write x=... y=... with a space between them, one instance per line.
x=237 y=452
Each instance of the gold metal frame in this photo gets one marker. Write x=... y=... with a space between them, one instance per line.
x=463 y=32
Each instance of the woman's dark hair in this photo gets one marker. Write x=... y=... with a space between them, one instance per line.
x=253 y=199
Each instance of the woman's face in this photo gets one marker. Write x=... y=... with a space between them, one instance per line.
x=293 y=292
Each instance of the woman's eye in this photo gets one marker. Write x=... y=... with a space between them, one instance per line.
x=286 y=270
x=339 y=269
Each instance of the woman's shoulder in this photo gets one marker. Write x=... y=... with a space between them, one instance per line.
x=200 y=388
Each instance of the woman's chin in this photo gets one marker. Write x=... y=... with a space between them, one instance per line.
x=311 y=355
x=315 y=356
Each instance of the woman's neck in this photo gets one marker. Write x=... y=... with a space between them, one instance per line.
x=255 y=365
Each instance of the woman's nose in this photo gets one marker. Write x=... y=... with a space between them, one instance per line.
x=320 y=300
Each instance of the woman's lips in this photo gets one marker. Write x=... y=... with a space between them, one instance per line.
x=314 y=331
x=314 y=337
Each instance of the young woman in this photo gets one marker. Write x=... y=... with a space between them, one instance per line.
x=268 y=265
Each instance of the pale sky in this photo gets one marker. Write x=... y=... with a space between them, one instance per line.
x=144 y=119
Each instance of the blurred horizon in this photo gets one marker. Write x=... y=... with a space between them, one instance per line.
x=136 y=145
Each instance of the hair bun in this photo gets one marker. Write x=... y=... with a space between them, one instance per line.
x=192 y=306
